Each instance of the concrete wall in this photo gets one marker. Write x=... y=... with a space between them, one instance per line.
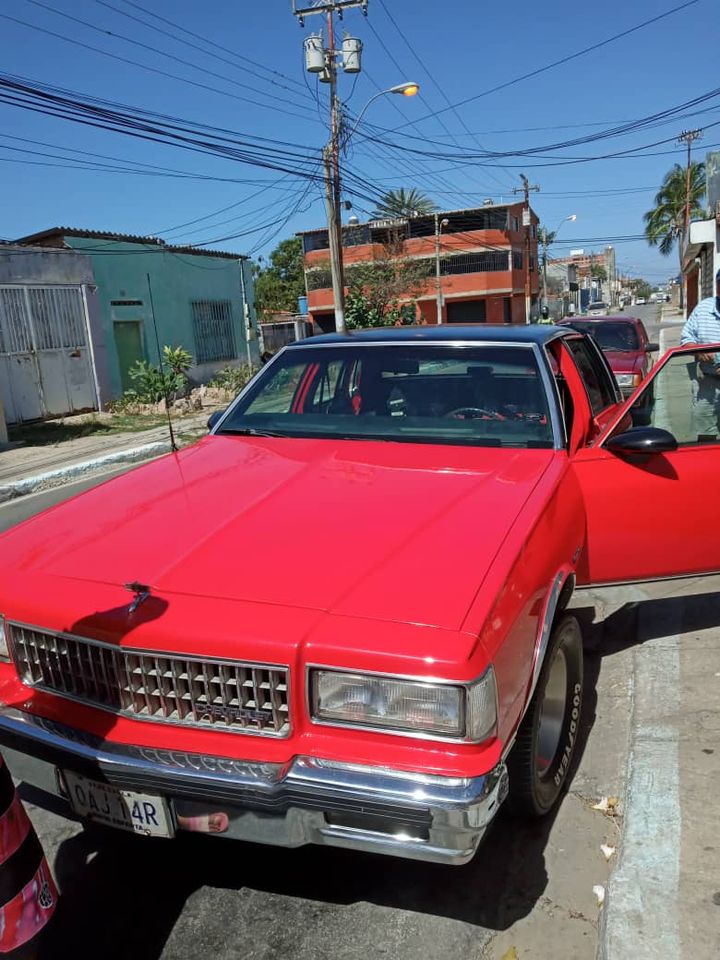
x=121 y=272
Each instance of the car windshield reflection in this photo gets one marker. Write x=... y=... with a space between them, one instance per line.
x=484 y=395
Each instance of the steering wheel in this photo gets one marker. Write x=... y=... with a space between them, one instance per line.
x=473 y=413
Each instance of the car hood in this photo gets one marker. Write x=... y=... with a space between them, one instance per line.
x=392 y=531
x=624 y=362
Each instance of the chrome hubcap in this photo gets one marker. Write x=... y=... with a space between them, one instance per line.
x=552 y=714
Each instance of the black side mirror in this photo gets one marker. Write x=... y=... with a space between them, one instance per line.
x=642 y=441
x=214 y=418
x=652 y=347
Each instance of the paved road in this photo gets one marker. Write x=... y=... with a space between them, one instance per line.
x=531 y=884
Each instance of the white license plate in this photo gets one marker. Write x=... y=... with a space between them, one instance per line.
x=138 y=812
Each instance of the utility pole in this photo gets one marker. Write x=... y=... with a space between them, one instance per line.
x=527 y=223
x=545 y=245
x=688 y=137
x=323 y=60
x=439 y=224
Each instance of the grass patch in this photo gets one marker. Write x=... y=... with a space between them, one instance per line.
x=58 y=431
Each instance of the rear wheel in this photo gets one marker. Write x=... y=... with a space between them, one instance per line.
x=540 y=759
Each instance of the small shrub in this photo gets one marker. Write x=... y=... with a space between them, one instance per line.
x=153 y=384
x=232 y=378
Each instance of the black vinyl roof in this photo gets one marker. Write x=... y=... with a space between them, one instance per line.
x=446 y=333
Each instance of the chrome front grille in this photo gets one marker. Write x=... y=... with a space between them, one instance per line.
x=213 y=694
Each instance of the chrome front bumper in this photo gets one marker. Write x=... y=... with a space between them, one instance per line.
x=308 y=800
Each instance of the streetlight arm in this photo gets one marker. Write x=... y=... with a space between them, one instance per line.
x=362 y=113
x=408 y=89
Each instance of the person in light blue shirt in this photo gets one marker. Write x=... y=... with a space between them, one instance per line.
x=703 y=326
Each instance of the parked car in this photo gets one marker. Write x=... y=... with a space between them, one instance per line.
x=625 y=343
x=341 y=618
x=640 y=302
x=597 y=308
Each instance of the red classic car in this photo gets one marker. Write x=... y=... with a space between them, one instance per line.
x=625 y=343
x=341 y=617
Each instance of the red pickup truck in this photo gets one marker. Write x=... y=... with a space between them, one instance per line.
x=341 y=618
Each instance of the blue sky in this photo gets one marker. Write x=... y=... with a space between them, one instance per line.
x=462 y=48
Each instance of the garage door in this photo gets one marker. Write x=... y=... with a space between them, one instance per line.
x=45 y=362
x=466 y=311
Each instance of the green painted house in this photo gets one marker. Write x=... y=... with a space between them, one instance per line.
x=152 y=293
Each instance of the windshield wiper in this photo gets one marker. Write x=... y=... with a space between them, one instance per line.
x=251 y=432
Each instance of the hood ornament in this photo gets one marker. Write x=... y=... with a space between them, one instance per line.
x=141 y=591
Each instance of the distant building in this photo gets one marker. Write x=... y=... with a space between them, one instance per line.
x=581 y=265
x=144 y=292
x=701 y=260
x=482 y=263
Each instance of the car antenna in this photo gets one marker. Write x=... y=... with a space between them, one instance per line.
x=173 y=445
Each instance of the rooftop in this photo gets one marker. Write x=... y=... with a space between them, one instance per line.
x=430 y=217
x=59 y=233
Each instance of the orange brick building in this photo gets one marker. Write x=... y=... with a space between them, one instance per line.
x=482 y=263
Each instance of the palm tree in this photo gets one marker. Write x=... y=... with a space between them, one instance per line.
x=665 y=223
x=403 y=203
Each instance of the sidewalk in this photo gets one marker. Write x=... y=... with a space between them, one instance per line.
x=663 y=898
x=27 y=468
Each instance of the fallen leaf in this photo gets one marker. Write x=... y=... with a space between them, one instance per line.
x=602 y=805
x=613 y=802
x=607 y=851
x=510 y=954
x=599 y=892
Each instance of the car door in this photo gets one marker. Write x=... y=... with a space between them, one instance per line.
x=655 y=515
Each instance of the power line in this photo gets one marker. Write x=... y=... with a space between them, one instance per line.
x=212 y=43
x=432 y=79
x=569 y=57
x=142 y=66
x=155 y=50
x=195 y=46
x=266 y=153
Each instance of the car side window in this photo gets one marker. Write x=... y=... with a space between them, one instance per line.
x=683 y=398
x=599 y=390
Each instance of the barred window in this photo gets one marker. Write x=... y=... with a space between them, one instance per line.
x=487 y=262
x=213 y=330
x=517 y=260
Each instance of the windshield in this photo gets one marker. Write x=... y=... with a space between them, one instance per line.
x=597 y=305
x=611 y=335
x=482 y=395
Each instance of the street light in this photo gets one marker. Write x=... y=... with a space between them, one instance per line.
x=331 y=163
x=546 y=244
x=439 y=224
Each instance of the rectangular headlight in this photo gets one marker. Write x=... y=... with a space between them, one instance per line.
x=4 y=652
x=411 y=706
x=624 y=379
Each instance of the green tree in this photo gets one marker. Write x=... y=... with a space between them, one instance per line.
x=640 y=288
x=665 y=223
x=403 y=203
x=279 y=285
x=376 y=286
x=598 y=272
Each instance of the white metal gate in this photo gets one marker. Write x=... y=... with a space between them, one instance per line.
x=45 y=359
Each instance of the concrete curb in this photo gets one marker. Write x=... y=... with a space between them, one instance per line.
x=55 y=478
x=640 y=916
